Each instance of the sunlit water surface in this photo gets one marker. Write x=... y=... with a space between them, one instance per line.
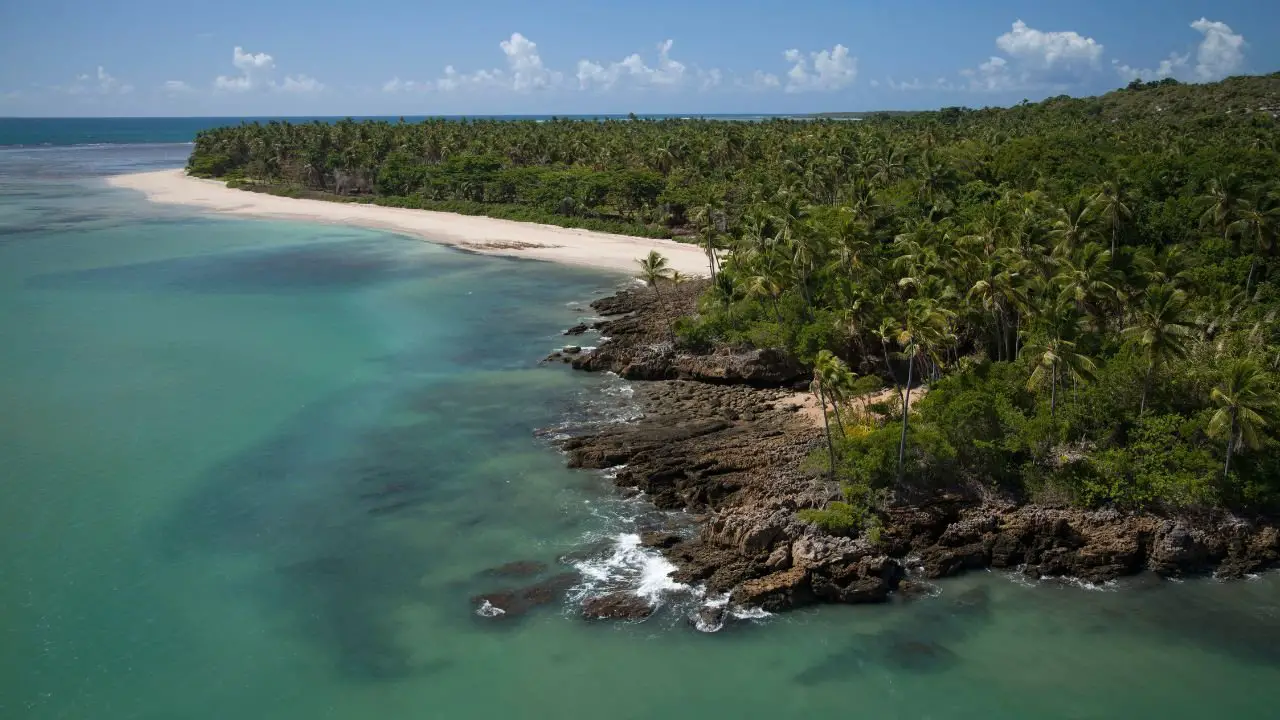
x=257 y=469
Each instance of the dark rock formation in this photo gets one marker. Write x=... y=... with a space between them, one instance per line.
x=510 y=603
x=661 y=540
x=616 y=606
x=721 y=437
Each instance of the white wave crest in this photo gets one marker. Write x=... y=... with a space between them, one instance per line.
x=631 y=567
x=488 y=609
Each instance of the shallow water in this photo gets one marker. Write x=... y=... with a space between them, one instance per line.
x=257 y=469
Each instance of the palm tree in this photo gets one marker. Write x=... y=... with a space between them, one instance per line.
x=826 y=380
x=1160 y=328
x=1071 y=228
x=1053 y=356
x=925 y=326
x=1256 y=224
x=1112 y=205
x=709 y=216
x=1245 y=398
x=653 y=269
x=1221 y=200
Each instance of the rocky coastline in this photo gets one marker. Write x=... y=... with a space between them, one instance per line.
x=724 y=435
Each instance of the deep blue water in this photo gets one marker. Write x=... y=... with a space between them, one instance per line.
x=90 y=131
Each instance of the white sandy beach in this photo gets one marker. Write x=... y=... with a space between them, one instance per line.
x=479 y=234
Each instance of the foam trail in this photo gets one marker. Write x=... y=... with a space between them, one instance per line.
x=629 y=567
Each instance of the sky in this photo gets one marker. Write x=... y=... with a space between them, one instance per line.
x=418 y=57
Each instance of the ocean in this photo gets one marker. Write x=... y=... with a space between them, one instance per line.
x=260 y=469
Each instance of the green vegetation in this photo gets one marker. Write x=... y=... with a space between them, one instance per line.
x=1081 y=294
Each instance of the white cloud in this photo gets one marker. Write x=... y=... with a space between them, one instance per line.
x=1049 y=52
x=527 y=71
x=991 y=76
x=633 y=69
x=100 y=83
x=1172 y=66
x=831 y=69
x=1036 y=58
x=175 y=86
x=256 y=71
x=251 y=62
x=708 y=79
x=300 y=84
x=875 y=83
x=1221 y=52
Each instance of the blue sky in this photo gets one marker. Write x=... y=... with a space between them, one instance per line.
x=315 y=57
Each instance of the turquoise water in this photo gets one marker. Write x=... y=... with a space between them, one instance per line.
x=257 y=469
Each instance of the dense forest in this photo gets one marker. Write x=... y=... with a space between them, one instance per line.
x=1077 y=299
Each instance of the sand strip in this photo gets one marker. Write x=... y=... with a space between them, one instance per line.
x=478 y=234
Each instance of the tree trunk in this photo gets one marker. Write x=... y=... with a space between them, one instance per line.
x=831 y=448
x=1249 y=283
x=835 y=407
x=1053 y=392
x=889 y=366
x=1146 y=386
x=1231 y=441
x=1115 y=230
x=906 y=411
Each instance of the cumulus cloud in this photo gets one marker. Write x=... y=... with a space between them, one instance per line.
x=251 y=62
x=1049 y=51
x=1173 y=66
x=1036 y=58
x=991 y=76
x=100 y=83
x=1219 y=54
x=254 y=68
x=527 y=71
x=633 y=69
x=822 y=70
x=256 y=71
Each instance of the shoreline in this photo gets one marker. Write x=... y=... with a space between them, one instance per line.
x=486 y=236
x=724 y=436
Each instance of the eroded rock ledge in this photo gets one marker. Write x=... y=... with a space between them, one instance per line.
x=724 y=437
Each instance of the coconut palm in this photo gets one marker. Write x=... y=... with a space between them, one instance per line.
x=653 y=270
x=1160 y=328
x=925 y=327
x=827 y=379
x=1111 y=204
x=1221 y=201
x=1054 y=353
x=1245 y=400
x=1255 y=225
